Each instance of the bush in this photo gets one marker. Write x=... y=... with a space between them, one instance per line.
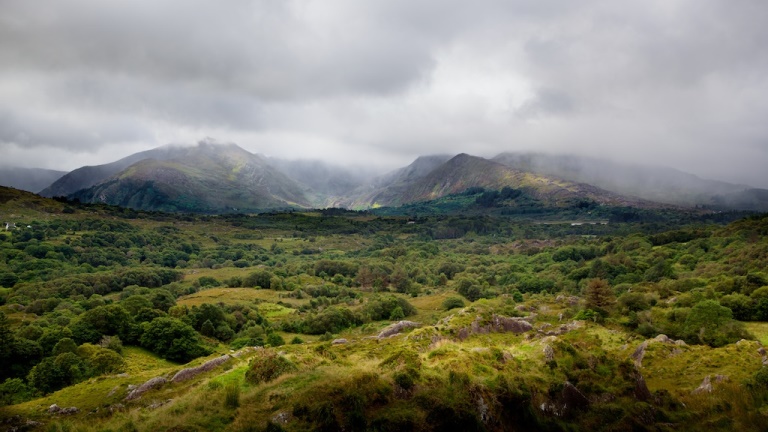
x=275 y=340
x=453 y=303
x=381 y=307
x=172 y=339
x=331 y=320
x=268 y=367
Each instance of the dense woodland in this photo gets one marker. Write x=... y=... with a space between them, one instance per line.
x=85 y=286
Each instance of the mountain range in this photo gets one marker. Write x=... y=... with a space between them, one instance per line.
x=28 y=179
x=224 y=178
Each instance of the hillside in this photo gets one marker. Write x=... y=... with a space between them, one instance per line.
x=343 y=321
x=28 y=179
x=440 y=176
x=87 y=176
x=652 y=183
x=207 y=178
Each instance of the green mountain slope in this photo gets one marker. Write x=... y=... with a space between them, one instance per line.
x=207 y=178
x=463 y=171
x=653 y=183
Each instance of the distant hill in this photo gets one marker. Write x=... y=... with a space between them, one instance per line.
x=87 y=176
x=207 y=178
x=431 y=178
x=28 y=179
x=665 y=185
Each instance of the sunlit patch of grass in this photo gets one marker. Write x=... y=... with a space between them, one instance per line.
x=759 y=330
x=139 y=360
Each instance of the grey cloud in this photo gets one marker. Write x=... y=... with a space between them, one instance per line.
x=681 y=83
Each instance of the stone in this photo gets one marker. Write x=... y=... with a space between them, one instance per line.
x=339 y=341
x=641 y=388
x=549 y=353
x=663 y=338
x=149 y=385
x=639 y=353
x=396 y=328
x=511 y=325
x=54 y=409
x=704 y=387
x=573 y=398
x=189 y=373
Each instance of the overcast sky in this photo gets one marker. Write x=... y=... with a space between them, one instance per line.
x=681 y=83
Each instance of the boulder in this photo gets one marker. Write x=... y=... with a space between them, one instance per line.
x=641 y=388
x=639 y=353
x=189 y=373
x=396 y=328
x=510 y=325
x=549 y=353
x=573 y=398
x=339 y=341
x=54 y=409
x=704 y=387
x=149 y=385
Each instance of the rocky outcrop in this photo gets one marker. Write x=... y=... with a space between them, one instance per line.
x=396 y=328
x=641 y=388
x=189 y=373
x=341 y=341
x=565 y=328
x=154 y=383
x=55 y=409
x=498 y=324
x=706 y=385
x=639 y=353
x=573 y=398
x=549 y=353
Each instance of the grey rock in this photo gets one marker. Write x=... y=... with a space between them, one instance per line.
x=549 y=353
x=339 y=341
x=189 y=373
x=396 y=328
x=639 y=353
x=149 y=385
x=53 y=409
x=704 y=387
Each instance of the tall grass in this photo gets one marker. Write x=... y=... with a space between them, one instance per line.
x=232 y=394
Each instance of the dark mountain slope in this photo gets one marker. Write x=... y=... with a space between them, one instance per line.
x=28 y=179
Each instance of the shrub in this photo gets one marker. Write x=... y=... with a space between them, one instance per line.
x=268 y=367
x=381 y=307
x=453 y=303
x=275 y=340
x=172 y=339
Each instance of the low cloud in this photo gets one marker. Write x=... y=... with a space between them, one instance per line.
x=681 y=84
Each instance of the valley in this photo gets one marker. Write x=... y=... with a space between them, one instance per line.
x=398 y=318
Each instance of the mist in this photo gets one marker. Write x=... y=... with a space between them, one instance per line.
x=374 y=85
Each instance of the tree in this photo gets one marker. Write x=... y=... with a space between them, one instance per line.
x=172 y=339
x=599 y=295
x=712 y=324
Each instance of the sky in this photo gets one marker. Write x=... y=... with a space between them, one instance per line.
x=678 y=83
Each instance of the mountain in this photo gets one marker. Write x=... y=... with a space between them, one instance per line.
x=28 y=179
x=207 y=178
x=660 y=184
x=88 y=176
x=435 y=177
